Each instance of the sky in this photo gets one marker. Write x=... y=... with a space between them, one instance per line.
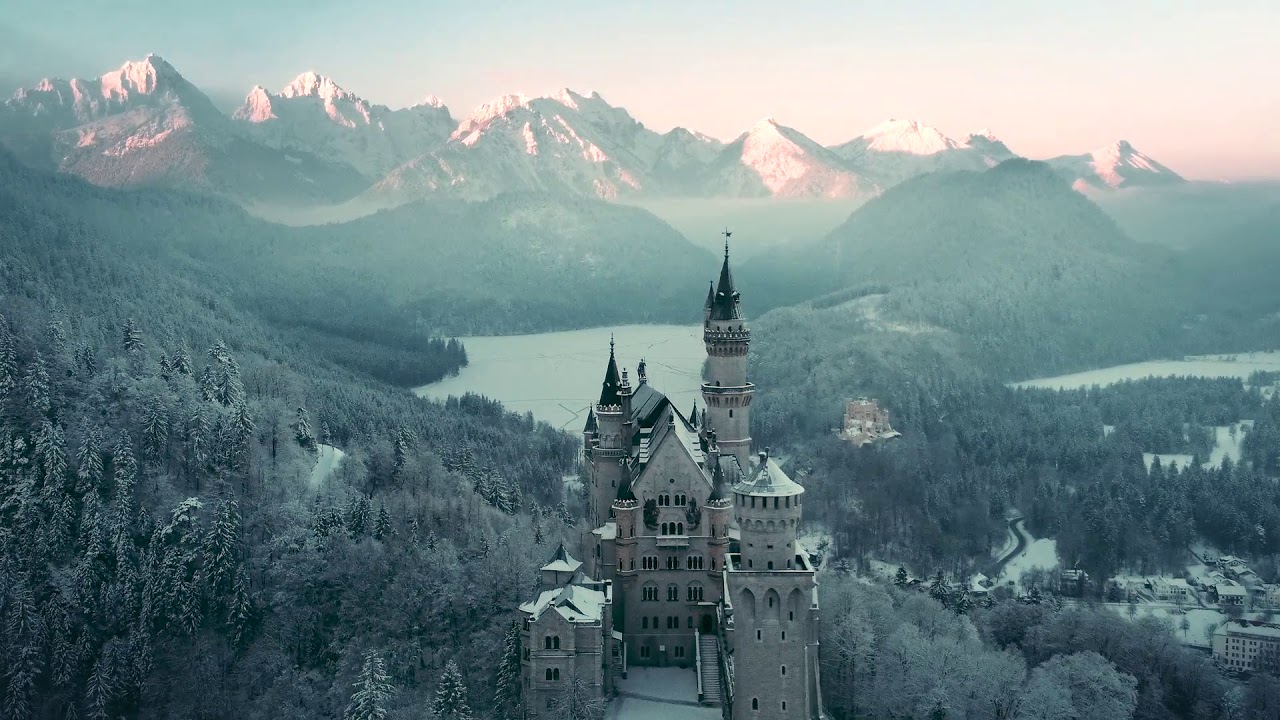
x=1193 y=84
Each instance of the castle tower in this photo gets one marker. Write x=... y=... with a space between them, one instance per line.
x=718 y=509
x=608 y=449
x=726 y=392
x=774 y=598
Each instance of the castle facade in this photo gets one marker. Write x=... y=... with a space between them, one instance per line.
x=694 y=550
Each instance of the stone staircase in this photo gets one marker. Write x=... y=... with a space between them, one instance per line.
x=709 y=655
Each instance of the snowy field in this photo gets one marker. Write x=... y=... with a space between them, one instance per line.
x=1198 y=621
x=327 y=460
x=1042 y=553
x=1237 y=366
x=651 y=693
x=1226 y=445
x=556 y=376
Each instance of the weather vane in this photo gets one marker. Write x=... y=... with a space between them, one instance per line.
x=726 y=233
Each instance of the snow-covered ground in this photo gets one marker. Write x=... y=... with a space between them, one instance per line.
x=1042 y=553
x=1237 y=366
x=327 y=460
x=1198 y=619
x=653 y=693
x=1226 y=445
x=816 y=538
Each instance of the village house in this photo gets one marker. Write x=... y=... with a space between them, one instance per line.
x=865 y=421
x=1244 y=645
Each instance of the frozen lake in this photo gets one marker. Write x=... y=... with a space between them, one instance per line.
x=1237 y=366
x=556 y=376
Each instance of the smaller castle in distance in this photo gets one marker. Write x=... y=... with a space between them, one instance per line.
x=865 y=422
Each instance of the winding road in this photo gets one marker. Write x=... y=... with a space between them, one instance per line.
x=1023 y=539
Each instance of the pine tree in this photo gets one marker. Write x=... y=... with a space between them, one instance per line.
x=901 y=578
x=382 y=528
x=372 y=690
x=155 y=430
x=229 y=389
x=302 y=430
x=89 y=461
x=220 y=554
x=101 y=687
x=126 y=477
x=239 y=613
x=577 y=702
x=451 y=695
x=131 y=337
x=507 y=687
x=181 y=362
x=938 y=590
x=538 y=538
x=37 y=385
x=166 y=370
x=326 y=437
x=8 y=361
x=358 y=515
x=962 y=603
x=208 y=384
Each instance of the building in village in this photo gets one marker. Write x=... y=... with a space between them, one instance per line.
x=694 y=559
x=1245 y=645
x=865 y=421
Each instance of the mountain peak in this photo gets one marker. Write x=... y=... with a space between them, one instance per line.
x=431 y=101
x=311 y=83
x=140 y=77
x=907 y=136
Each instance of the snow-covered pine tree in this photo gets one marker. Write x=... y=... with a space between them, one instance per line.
x=938 y=590
x=901 y=578
x=220 y=554
x=36 y=385
x=208 y=384
x=8 y=361
x=230 y=390
x=358 y=515
x=506 y=697
x=382 y=528
x=155 y=430
x=372 y=690
x=451 y=695
x=302 y=429
x=131 y=337
x=181 y=361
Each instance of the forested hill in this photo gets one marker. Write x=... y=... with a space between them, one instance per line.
x=1029 y=274
x=160 y=529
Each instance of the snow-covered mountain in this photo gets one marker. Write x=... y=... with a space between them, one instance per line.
x=1118 y=165
x=314 y=141
x=896 y=150
x=772 y=160
x=564 y=141
x=314 y=114
x=146 y=125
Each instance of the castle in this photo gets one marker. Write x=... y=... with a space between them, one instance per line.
x=693 y=560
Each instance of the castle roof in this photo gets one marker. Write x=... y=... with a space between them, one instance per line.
x=711 y=294
x=562 y=561
x=624 y=491
x=609 y=388
x=768 y=478
x=573 y=602
x=720 y=486
x=724 y=306
x=590 y=427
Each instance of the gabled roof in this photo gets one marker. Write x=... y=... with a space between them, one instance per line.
x=573 y=602
x=724 y=306
x=562 y=561
x=767 y=478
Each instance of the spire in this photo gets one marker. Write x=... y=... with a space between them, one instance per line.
x=711 y=295
x=609 y=388
x=724 y=306
x=591 y=422
x=719 y=484
x=693 y=416
x=624 y=491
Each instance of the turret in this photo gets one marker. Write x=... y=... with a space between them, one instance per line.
x=767 y=507
x=726 y=392
x=718 y=508
x=711 y=296
x=607 y=450
x=589 y=432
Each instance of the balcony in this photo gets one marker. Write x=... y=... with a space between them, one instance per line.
x=673 y=541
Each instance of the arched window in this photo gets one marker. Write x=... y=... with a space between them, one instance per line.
x=771 y=567
x=548 y=673
x=770 y=597
x=644 y=623
x=664 y=529
x=755 y=703
x=730 y=412
x=679 y=528
x=555 y=643
x=673 y=592
x=784 y=669
x=555 y=674
x=546 y=643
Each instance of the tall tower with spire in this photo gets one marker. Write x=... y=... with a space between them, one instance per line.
x=609 y=443
x=725 y=391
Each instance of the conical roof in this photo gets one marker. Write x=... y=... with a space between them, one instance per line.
x=562 y=561
x=724 y=306
x=624 y=491
x=590 y=427
x=609 y=388
x=768 y=478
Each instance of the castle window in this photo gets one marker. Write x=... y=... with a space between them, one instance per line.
x=690 y=622
x=548 y=673
x=650 y=592
x=526 y=653
x=694 y=592
x=791 y=616
x=679 y=652
x=673 y=622
x=632 y=564
x=546 y=643
x=788 y=564
x=784 y=637
x=784 y=669
x=673 y=592
x=788 y=502
x=655 y=622
x=753 y=501
x=673 y=562
x=771 y=599
x=555 y=674
x=730 y=412
x=555 y=642
x=759 y=634
x=784 y=704
x=750 y=563
x=664 y=529
x=775 y=503
x=644 y=623
x=644 y=651
x=755 y=703
x=679 y=528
